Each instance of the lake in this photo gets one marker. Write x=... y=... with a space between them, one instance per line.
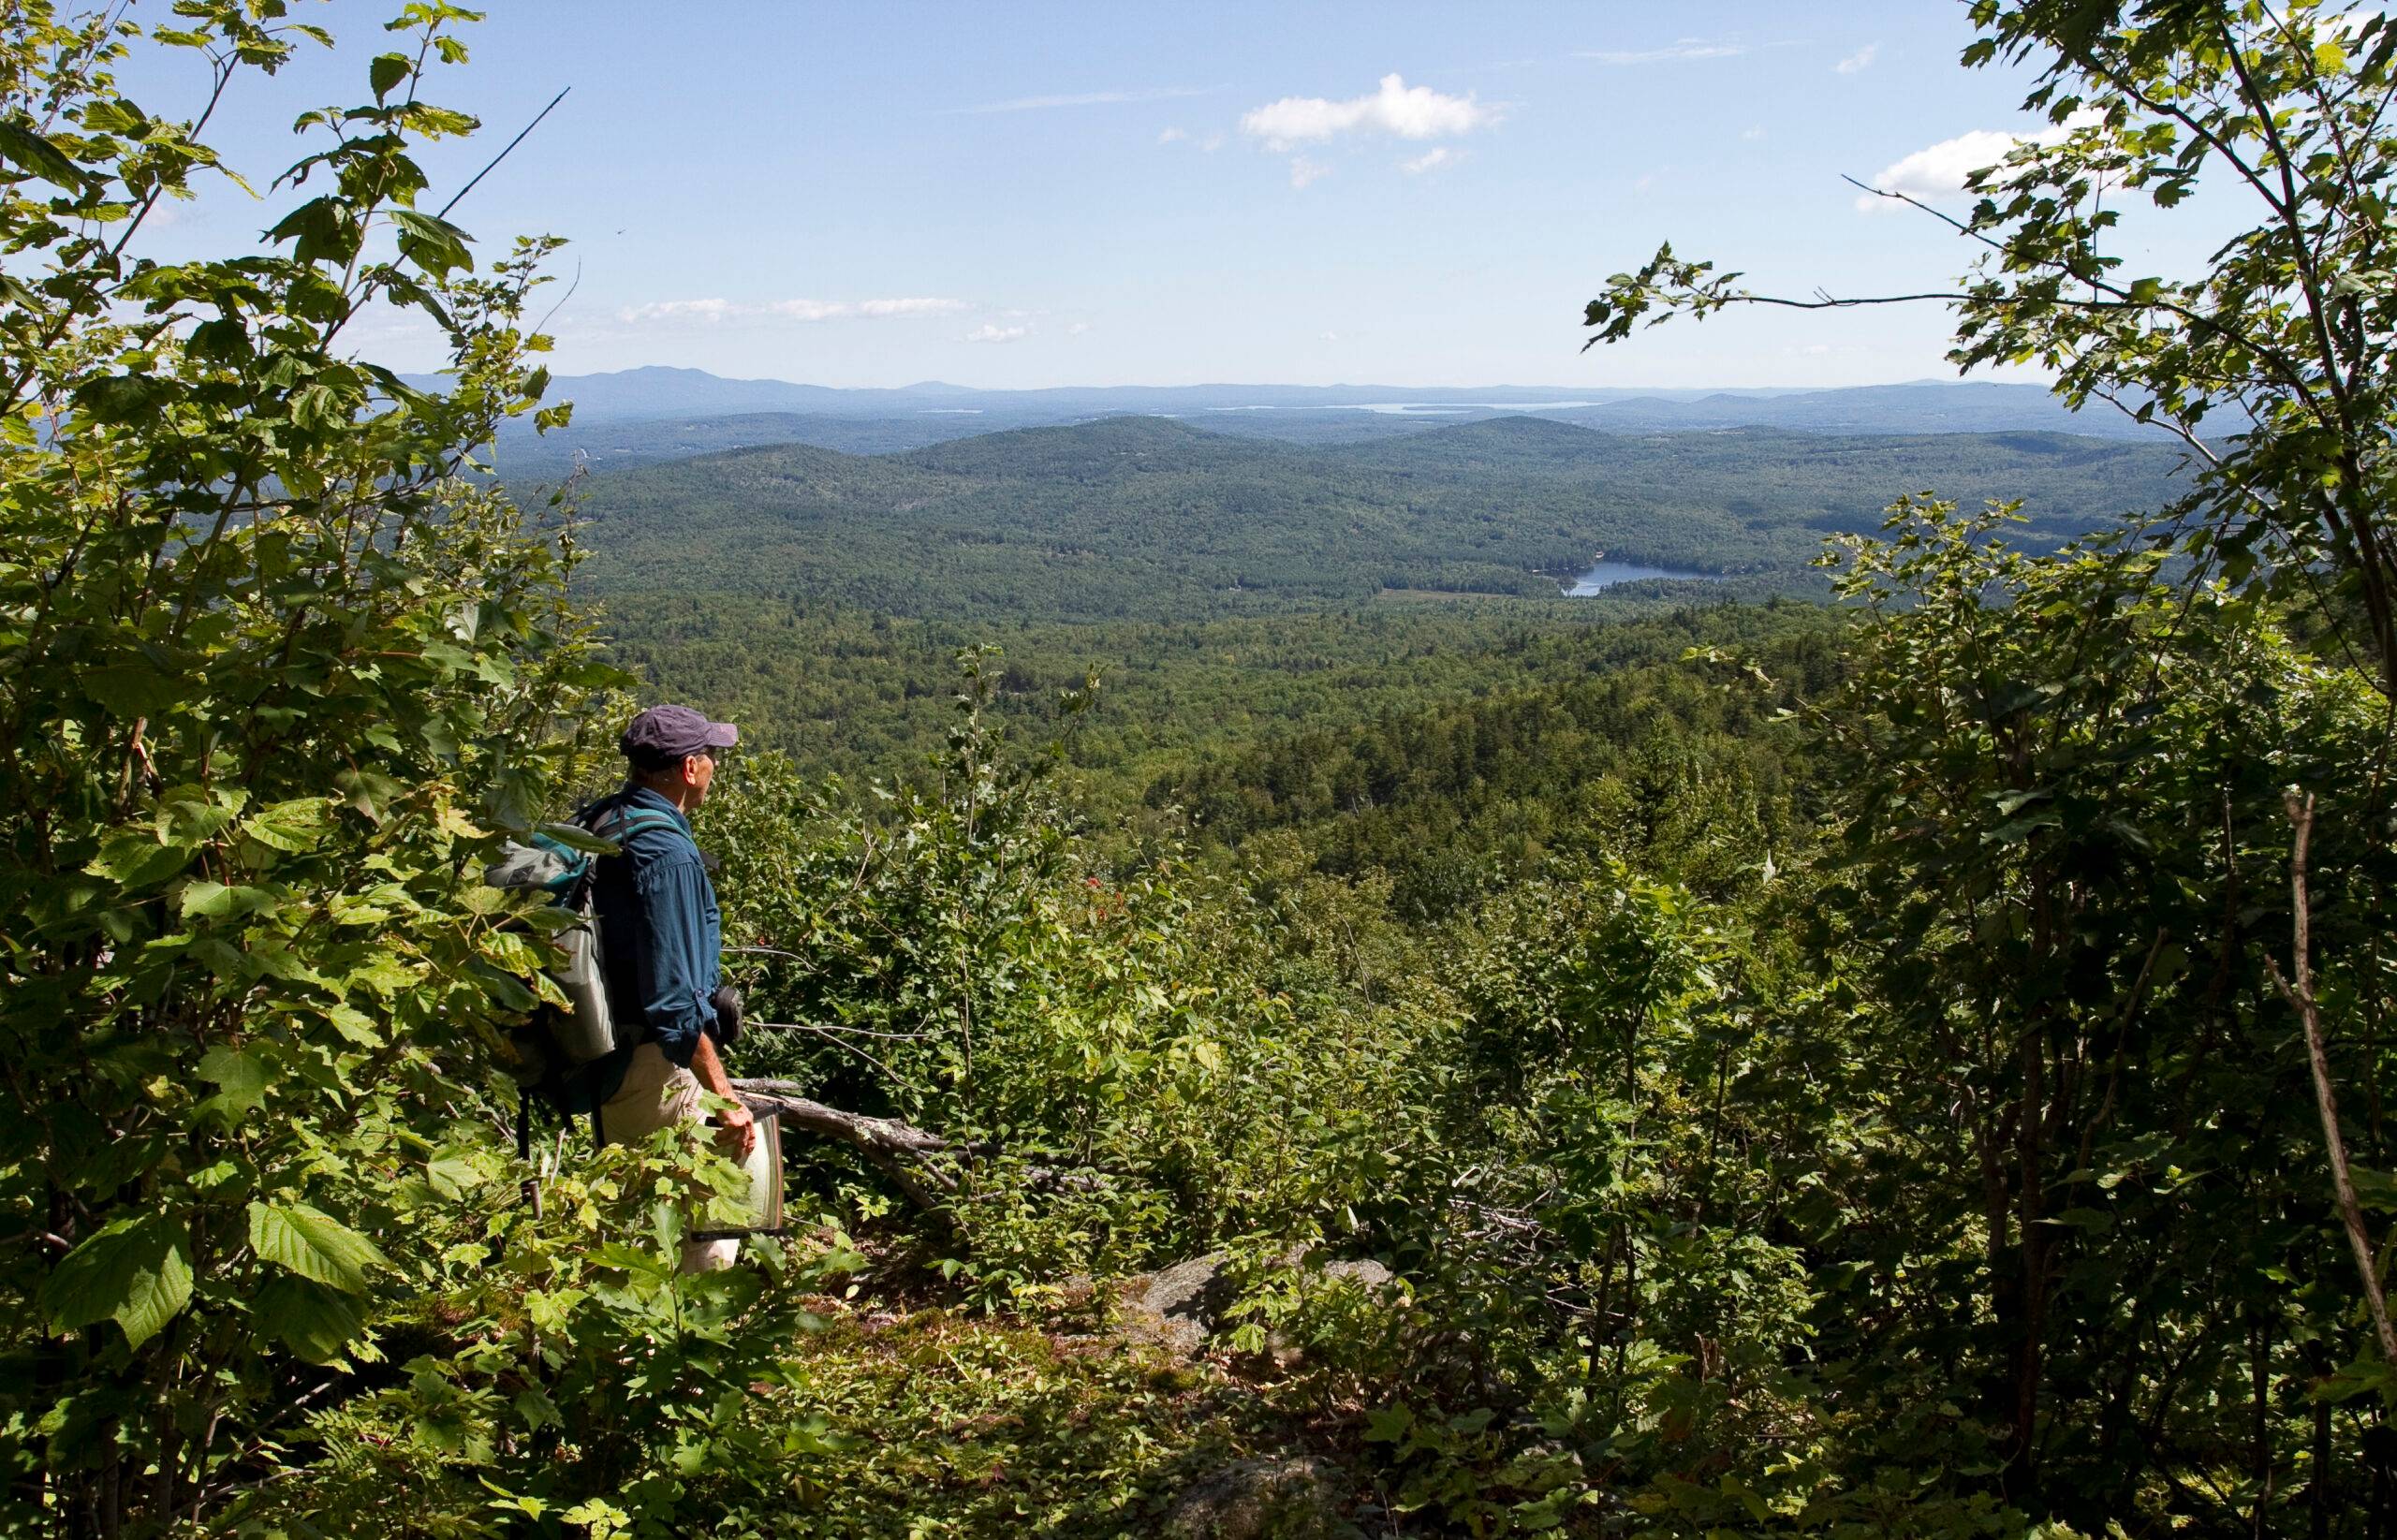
x=1607 y=574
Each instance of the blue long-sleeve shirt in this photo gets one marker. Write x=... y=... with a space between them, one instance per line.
x=659 y=926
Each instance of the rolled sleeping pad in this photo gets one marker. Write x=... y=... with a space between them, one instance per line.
x=763 y=1209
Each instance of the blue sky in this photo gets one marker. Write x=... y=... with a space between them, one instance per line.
x=1050 y=194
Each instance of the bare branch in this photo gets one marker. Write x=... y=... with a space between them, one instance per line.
x=2300 y=994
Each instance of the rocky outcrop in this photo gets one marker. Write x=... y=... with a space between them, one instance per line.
x=1178 y=1308
x=1265 y=1499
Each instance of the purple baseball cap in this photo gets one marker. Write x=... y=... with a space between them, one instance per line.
x=664 y=734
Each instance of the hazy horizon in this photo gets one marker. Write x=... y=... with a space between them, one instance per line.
x=1058 y=194
x=1361 y=383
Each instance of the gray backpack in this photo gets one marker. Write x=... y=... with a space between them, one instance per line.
x=562 y=861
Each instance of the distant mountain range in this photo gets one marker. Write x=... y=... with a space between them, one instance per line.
x=643 y=415
x=643 y=394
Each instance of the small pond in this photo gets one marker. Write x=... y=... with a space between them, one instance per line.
x=1603 y=575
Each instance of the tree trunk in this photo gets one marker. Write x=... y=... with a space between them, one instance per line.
x=2300 y=994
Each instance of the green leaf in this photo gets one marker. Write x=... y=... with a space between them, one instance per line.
x=290 y=826
x=537 y=1410
x=241 y=1078
x=322 y=227
x=434 y=245
x=452 y=1174
x=121 y=398
x=136 y=1272
x=214 y=900
x=314 y=1321
x=387 y=70
x=137 y=858
x=129 y=690
x=510 y=994
x=371 y=792
x=574 y=837
x=2022 y=828
x=21 y=146
x=313 y=1245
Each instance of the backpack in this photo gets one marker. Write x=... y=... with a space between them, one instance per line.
x=562 y=862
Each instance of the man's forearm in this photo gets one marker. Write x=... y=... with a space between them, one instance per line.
x=710 y=1069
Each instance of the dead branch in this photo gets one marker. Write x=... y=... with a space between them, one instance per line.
x=901 y=1150
x=2300 y=994
x=895 y=1148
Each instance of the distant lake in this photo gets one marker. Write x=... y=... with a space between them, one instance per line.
x=1608 y=574
x=1451 y=409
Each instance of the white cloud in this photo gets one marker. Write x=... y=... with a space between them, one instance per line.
x=714 y=311
x=1687 y=47
x=1173 y=136
x=1858 y=62
x=987 y=332
x=1939 y=171
x=917 y=306
x=1331 y=336
x=709 y=310
x=1754 y=136
x=1397 y=108
x=1077 y=328
x=1085 y=99
x=1432 y=160
x=801 y=310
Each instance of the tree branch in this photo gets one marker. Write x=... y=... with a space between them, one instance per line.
x=899 y=1150
x=2300 y=994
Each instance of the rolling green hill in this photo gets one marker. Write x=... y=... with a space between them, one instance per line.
x=1149 y=518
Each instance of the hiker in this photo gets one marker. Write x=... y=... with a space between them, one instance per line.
x=664 y=937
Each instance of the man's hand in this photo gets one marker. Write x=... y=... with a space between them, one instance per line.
x=739 y=1133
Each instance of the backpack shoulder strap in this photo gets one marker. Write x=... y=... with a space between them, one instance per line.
x=631 y=821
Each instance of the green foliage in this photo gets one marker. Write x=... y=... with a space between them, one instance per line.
x=956 y=963
x=269 y=670
x=564 y=1372
x=1613 y=749
x=2273 y=361
x=2060 y=842
x=1796 y=1074
x=862 y=695
x=1144 y=517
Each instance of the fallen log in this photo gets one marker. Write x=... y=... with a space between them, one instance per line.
x=895 y=1148
x=899 y=1150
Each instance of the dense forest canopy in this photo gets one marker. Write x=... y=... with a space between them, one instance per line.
x=1149 y=518
x=1703 y=1063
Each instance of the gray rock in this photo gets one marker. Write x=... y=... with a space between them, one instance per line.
x=1368 y=1272
x=1265 y=1499
x=1178 y=1308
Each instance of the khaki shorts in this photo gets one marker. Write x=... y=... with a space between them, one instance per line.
x=657 y=1092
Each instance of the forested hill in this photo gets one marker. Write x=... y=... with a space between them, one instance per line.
x=1149 y=516
x=643 y=415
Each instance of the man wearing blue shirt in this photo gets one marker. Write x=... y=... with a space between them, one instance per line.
x=663 y=936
